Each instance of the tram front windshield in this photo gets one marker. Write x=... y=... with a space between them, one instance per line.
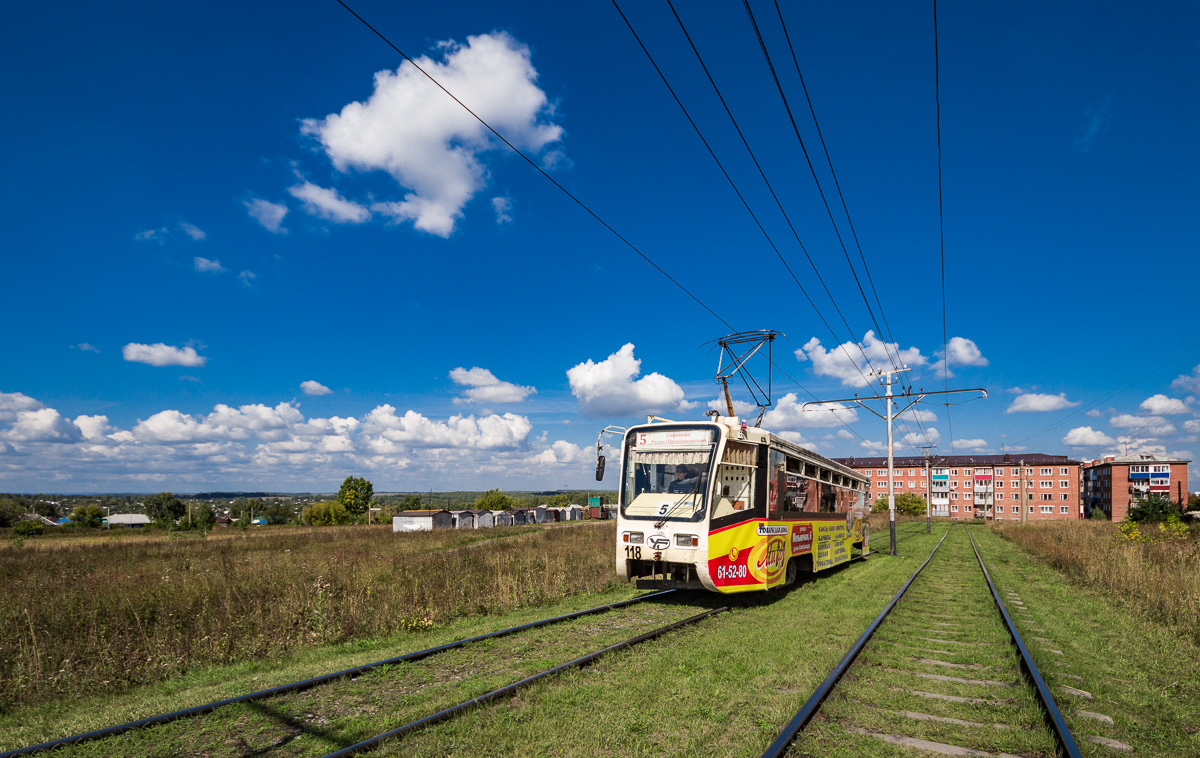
x=667 y=475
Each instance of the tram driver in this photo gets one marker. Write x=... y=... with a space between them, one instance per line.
x=686 y=480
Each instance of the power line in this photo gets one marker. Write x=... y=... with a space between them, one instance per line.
x=577 y=201
x=937 y=97
x=536 y=167
x=738 y=192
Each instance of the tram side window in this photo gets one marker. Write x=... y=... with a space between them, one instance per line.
x=829 y=497
x=777 y=484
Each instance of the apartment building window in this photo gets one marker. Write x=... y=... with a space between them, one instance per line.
x=912 y=472
x=1029 y=472
x=999 y=484
x=881 y=472
x=953 y=485
x=1064 y=496
x=953 y=472
x=954 y=496
x=1016 y=509
x=1160 y=469
x=1064 y=483
x=1047 y=509
x=1047 y=496
x=999 y=496
x=1045 y=485
x=1064 y=509
x=1047 y=471
x=1031 y=509
x=1030 y=498
x=912 y=484
x=1016 y=485
x=967 y=508
x=966 y=472
x=1063 y=471
x=999 y=472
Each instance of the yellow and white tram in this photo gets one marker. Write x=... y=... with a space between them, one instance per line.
x=721 y=506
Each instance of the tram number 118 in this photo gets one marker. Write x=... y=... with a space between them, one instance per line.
x=634 y=552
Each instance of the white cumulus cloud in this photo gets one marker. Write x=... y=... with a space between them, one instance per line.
x=269 y=215
x=1161 y=405
x=43 y=425
x=1086 y=436
x=483 y=387
x=1152 y=426
x=1034 y=402
x=851 y=361
x=960 y=351
x=969 y=444
x=328 y=204
x=609 y=388
x=159 y=354
x=12 y=403
x=790 y=414
x=311 y=387
x=415 y=430
x=207 y=266
x=427 y=142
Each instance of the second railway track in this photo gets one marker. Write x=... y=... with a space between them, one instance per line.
x=943 y=673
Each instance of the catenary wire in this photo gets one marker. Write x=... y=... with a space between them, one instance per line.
x=577 y=201
x=742 y=198
x=937 y=98
x=825 y=201
x=536 y=167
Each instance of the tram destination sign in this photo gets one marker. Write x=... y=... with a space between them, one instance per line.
x=675 y=438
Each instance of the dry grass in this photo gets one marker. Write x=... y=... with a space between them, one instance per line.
x=1161 y=580
x=102 y=615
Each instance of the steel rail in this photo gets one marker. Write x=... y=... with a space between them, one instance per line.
x=810 y=707
x=1053 y=715
x=508 y=689
x=314 y=681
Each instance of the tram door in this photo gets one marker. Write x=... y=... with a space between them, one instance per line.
x=735 y=481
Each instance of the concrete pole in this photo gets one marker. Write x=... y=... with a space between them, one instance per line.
x=928 y=492
x=891 y=474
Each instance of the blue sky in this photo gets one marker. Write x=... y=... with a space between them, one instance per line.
x=252 y=249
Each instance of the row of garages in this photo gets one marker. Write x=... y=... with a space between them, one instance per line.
x=425 y=521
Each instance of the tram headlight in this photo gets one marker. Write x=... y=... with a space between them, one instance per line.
x=687 y=540
x=633 y=538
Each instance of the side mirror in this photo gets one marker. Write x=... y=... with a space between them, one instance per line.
x=599 y=468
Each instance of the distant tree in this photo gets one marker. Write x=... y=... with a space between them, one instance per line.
x=1098 y=514
x=164 y=508
x=27 y=528
x=907 y=503
x=411 y=503
x=1153 y=509
x=493 y=500
x=46 y=509
x=558 y=501
x=198 y=515
x=1193 y=503
x=355 y=495
x=89 y=515
x=10 y=512
x=327 y=513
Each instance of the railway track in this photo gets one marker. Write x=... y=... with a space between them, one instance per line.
x=943 y=669
x=417 y=671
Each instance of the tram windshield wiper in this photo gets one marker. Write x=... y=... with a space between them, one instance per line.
x=679 y=503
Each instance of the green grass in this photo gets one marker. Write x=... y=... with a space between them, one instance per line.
x=722 y=687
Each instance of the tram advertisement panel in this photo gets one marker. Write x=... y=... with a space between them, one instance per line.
x=754 y=555
x=832 y=545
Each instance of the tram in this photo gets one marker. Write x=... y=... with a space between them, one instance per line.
x=721 y=506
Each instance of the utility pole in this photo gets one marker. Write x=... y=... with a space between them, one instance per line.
x=1022 y=506
x=887 y=382
x=928 y=490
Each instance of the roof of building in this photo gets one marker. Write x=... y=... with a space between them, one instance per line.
x=938 y=461
x=417 y=513
x=127 y=518
x=1136 y=458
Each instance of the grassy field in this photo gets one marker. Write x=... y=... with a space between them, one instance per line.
x=103 y=614
x=723 y=687
x=1159 y=579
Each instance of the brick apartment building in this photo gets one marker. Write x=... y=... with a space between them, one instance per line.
x=984 y=486
x=1113 y=483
